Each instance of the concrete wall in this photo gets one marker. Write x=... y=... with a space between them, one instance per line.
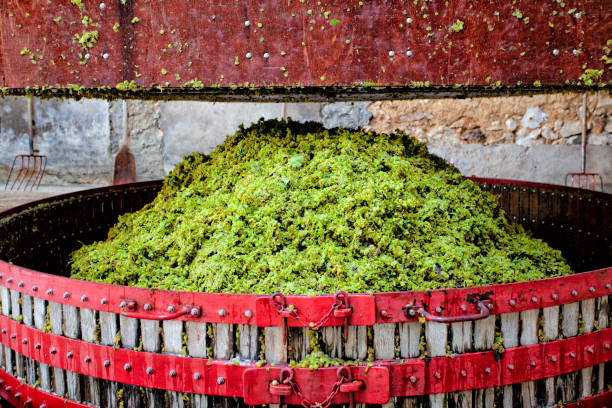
x=481 y=137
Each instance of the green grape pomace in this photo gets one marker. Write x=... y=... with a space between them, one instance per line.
x=297 y=208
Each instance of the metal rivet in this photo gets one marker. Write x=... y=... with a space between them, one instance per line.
x=18 y=395
x=248 y=314
x=197 y=376
x=555 y=52
x=106 y=363
x=553 y=359
x=490 y=306
x=247 y=23
x=13 y=336
x=127 y=367
x=409 y=20
x=572 y=355
x=437 y=375
x=575 y=51
x=578 y=16
x=221 y=312
x=608 y=286
x=534 y=299
x=105 y=55
x=409 y=53
x=574 y=293
x=195 y=311
x=554 y=296
x=3 y=331
x=220 y=380
x=87 y=56
x=463 y=308
x=512 y=302
x=172 y=373
x=49 y=292
x=510 y=367
x=249 y=55
x=69 y=354
x=607 y=346
x=266 y=55
x=590 y=350
x=102 y=6
x=9 y=280
x=104 y=301
x=24 y=341
x=84 y=298
x=34 y=288
x=591 y=289
x=147 y=306
x=438 y=309
x=20 y=284
x=123 y=304
x=87 y=359
x=411 y=312
x=150 y=370
x=66 y=295
x=53 y=350
x=1 y=276
x=487 y=370
x=413 y=379
x=391 y=53
x=37 y=346
x=532 y=363
x=463 y=373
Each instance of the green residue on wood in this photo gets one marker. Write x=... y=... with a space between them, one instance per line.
x=297 y=208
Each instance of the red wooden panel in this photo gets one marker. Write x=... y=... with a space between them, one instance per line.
x=419 y=45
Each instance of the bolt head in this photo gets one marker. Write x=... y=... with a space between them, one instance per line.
x=69 y=354
x=572 y=355
x=391 y=53
x=104 y=301
x=490 y=306
x=249 y=55
x=607 y=346
x=463 y=308
x=590 y=350
x=171 y=309
x=221 y=312
x=172 y=373
x=66 y=295
x=102 y=6
x=411 y=312
x=34 y=288
x=123 y=304
x=534 y=299
x=554 y=296
x=127 y=367
x=220 y=380
x=106 y=363
x=105 y=55
x=487 y=370
x=37 y=346
x=555 y=52
x=9 y=280
x=147 y=307
x=512 y=302
x=84 y=298
x=463 y=373
x=553 y=359
x=574 y=293
x=53 y=350
x=3 y=331
x=150 y=370
x=195 y=311
x=608 y=286
x=413 y=379
x=409 y=53
x=49 y=292
x=409 y=20
x=591 y=289
x=247 y=23
x=197 y=376
x=532 y=363
x=20 y=284
x=575 y=51
x=248 y=314
x=438 y=309
x=13 y=336
x=87 y=56
x=266 y=55
x=87 y=359
x=510 y=367
x=24 y=341
x=437 y=375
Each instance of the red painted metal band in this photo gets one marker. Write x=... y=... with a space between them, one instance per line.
x=601 y=400
x=407 y=377
x=256 y=309
x=22 y=395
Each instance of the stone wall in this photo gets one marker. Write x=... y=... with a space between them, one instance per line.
x=529 y=138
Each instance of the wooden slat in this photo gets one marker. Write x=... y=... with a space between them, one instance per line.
x=27 y=310
x=603 y=312
x=7 y=358
x=248 y=341
x=510 y=333
x=356 y=346
x=484 y=337
x=461 y=342
x=91 y=385
x=276 y=348
x=130 y=339
x=56 y=319
x=550 y=332
x=298 y=343
x=16 y=313
x=173 y=344
x=410 y=340
x=223 y=348
x=72 y=329
x=588 y=323
x=436 y=335
x=384 y=346
x=529 y=336
x=108 y=335
x=333 y=340
x=196 y=347
x=569 y=328
x=151 y=341
x=40 y=321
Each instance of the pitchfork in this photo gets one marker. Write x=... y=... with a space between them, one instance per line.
x=31 y=166
x=584 y=180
